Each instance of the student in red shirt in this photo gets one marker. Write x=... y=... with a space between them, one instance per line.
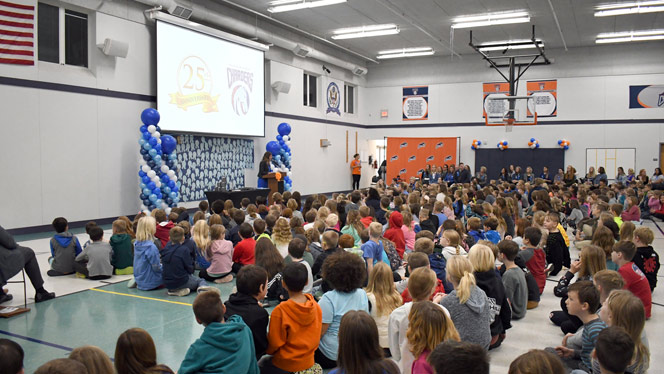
x=164 y=226
x=534 y=257
x=635 y=280
x=243 y=254
x=395 y=234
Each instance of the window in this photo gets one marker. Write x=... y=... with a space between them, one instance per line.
x=63 y=36
x=349 y=99
x=309 y=90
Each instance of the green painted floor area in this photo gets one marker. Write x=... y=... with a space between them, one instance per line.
x=98 y=318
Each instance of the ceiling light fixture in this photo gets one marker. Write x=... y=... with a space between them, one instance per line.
x=490 y=19
x=630 y=36
x=405 y=52
x=629 y=8
x=288 y=5
x=365 y=31
x=510 y=44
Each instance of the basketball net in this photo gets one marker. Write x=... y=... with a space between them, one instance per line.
x=509 y=123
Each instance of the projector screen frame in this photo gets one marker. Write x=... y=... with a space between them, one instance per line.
x=158 y=16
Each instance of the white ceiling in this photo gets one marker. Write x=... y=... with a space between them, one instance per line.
x=577 y=22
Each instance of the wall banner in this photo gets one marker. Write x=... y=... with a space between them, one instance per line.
x=648 y=96
x=407 y=157
x=495 y=90
x=415 y=104
x=545 y=93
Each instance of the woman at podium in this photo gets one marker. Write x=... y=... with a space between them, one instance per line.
x=263 y=169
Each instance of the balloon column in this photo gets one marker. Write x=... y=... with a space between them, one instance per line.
x=533 y=143
x=281 y=153
x=502 y=145
x=564 y=144
x=476 y=144
x=159 y=184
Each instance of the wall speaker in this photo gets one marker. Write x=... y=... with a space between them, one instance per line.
x=325 y=143
x=281 y=87
x=114 y=48
x=301 y=50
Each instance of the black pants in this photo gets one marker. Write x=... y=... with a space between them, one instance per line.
x=267 y=367
x=31 y=267
x=204 y=275
x=82 y=267
x=356 y=181
x=236 y=267
x=323 y=361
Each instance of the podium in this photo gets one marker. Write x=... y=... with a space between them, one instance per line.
x=274 y=185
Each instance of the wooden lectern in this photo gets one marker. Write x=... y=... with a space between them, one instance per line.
x=274 y=185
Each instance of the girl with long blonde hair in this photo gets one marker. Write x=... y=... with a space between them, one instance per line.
x=201 y=235
x=428 y=326
x=625 y=310
x=281 y=236
x=467 y=303
x=147 y=263
x=383 y=298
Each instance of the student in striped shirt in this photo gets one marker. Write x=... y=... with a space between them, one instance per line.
x=583 y=302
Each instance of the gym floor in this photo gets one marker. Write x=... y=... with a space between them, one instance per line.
x=96 y=312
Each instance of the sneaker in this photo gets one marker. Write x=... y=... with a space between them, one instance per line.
x=225 y=279
x=131 y=283
x=80 y=275
x=180 y=292
x=202 y=289
x=43 y=296
x=548 y=269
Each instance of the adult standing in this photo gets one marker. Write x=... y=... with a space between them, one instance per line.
x=356 y=171
x=13 y=258
x=462 y=175
x=263 y=169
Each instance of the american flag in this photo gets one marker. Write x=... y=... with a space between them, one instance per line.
x=17 y=32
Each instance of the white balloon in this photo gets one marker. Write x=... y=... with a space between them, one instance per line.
x=158 y=141
x=170 y=173
x=175 y=178
x=152 y=129
x=164 y=206
x=146 y=212
x=157 y=183
x=156 y=134
x=288 y=142
x=142 y=162
x=164 y=168
x=151 y=174
x=168 y=210
x=286 y=138
x=143 y=207
x=290 y=173
x=145 y=168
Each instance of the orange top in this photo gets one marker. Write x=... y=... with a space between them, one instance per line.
x=294 y=334
x=356 y=167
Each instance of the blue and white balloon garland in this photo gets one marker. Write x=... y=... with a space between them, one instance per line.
x=159 y=184
x=281 y=153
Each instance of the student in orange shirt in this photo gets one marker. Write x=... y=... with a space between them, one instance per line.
x=295 y=326
x=356 y=170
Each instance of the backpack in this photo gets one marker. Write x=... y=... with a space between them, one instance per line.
x=392 y=254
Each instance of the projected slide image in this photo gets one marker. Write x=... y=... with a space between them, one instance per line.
x=208 y=85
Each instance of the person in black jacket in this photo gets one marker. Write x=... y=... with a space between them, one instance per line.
x=462 y=175
x=13 y=258
x=264 y=168
x=251 y=283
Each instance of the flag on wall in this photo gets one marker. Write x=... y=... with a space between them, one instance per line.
x=17 y=32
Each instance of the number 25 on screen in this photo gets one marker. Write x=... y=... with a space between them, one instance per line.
x=195 y=73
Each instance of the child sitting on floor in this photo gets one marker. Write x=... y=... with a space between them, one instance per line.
x=428 y=326
x=295 y=325
x=244 y=251
x=147 y=264
x=64 y=249
x=163 y=226
x=179 y=266
x=224 y=346
x=220 y=253
x=95 y=260
x=123 y=249
x=251 y=285
x=635 y=281
x=646 y=258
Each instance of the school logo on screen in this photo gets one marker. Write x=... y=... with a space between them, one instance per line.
x=333 y=98
x=240 y=83
x=194 y=79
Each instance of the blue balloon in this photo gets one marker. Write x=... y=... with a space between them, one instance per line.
x=147 y=191
x=152 y=152
x=143 y=196
x=158 y=128
x=505 y=142
x=173 y=195
x=175 y=188
x=156 y=158
x=153 y=141
x=147 y=146
x=141 y=173
x=280 y=138
x=158 y=148
x=532 y=139
x=147 y=157
x=146 y=202
x=150 y=116
x=144 y=128
x=141 y=141
x=151 y=164
x=143 y=151
x=151 y=185
x=273 y=147
x=143 y=185
x=167 y=190
x=145 y=179
x=560 y=142
x=168 y=143
x=153 y=198
x=171 y=184
x=171 y=156
x=537 y=145
x=566 y=147
x=284 y=129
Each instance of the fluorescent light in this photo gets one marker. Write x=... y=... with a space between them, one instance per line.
x=290 y=5
x=365 y=31
x=405 y=52
x=629 y=8
x=490 y=19
x=629 y=36
x=509 y=44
